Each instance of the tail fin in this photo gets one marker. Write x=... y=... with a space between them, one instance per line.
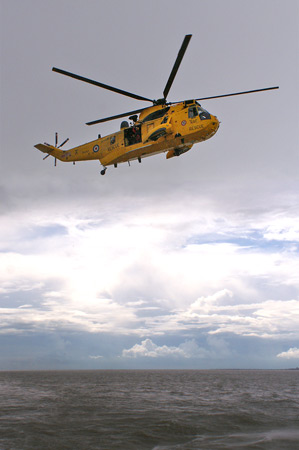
x=45 y=148
x=51 y=151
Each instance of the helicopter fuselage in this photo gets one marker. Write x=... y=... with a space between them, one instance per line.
x=161 y=128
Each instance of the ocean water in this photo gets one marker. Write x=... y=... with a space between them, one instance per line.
x=155 y=410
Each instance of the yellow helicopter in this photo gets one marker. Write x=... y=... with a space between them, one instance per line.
x=172 y=127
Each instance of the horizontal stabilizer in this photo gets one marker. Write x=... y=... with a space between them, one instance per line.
x=45 y=148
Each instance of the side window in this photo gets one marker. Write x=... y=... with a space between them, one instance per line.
x=203 y=114
x=192 y=112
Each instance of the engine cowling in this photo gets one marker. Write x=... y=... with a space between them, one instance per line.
x=159 y=131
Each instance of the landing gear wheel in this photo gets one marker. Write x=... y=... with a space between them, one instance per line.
x=103 y=171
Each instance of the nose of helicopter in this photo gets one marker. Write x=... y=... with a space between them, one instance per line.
x=214 y=124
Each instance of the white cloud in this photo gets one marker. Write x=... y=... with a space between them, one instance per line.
x=283 y=229
x=148 y=349
x=142 y=274
x=205 y=303
x=97 y=316
x=216 y=348
x=292 y=353
x=264 y=319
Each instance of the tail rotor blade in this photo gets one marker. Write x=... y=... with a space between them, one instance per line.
x=64 y=142
x=56 y=146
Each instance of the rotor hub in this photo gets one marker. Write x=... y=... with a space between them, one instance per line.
x=160 y=101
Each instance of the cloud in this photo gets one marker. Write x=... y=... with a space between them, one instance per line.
x=150 y=270
x=264 y=319
x=150 y=350
x=96 y=316
x=203 y=304
x=292 y=353
x=148 y=274
x=283 y=230
x=215 y=348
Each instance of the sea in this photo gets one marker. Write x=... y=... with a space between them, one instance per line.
x=149 y=409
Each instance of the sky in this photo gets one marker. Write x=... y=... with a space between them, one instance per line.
x=187 y=263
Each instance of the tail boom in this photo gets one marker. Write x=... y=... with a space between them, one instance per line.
x=84 y=152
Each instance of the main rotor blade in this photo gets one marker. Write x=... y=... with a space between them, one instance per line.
x=102 y=85
x=177 y=64
x=238 y=93
x=106 y=119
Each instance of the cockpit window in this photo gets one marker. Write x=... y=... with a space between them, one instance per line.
x=156 y=114
x=192 y=112
x=203 y=114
